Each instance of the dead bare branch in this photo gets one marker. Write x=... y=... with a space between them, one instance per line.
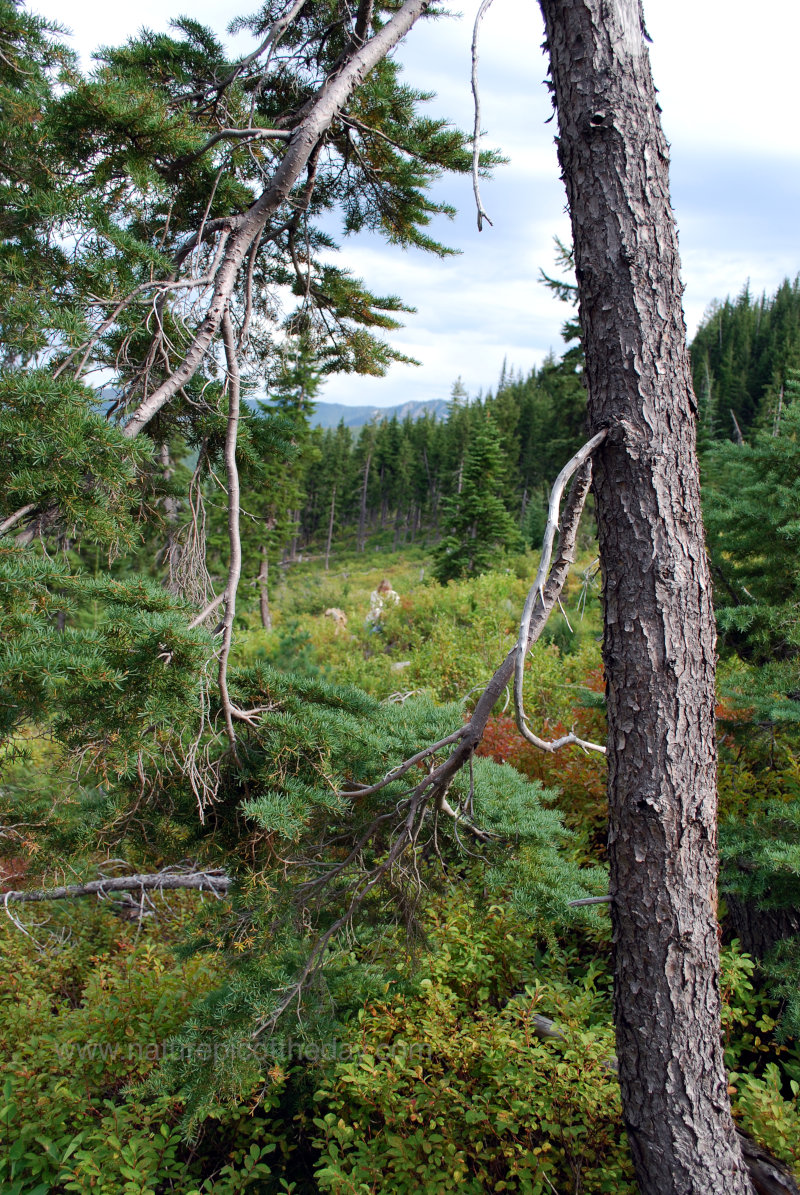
x=203 y=615
x=536 y=594
x=249 y=134
x=365 y=790
x=234 y=539
x=12 y=519
x=186 y=555
x=476 y=134
x=214 y=880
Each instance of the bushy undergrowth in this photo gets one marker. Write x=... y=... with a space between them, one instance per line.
x=439 y=1080
x=446 y=640
x=440 y=1083
x=479 y=1101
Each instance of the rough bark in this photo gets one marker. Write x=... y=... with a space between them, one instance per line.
x=659 y=647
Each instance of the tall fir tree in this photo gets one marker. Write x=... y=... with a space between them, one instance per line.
x=478 y=526
x=752 y=504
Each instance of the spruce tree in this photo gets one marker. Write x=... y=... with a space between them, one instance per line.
x=741 y=357
x=478 y=526
x=752 y=500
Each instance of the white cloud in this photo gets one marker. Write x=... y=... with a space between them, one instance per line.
x=727 y=81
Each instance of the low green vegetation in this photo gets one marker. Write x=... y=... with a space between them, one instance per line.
x=433 y=1073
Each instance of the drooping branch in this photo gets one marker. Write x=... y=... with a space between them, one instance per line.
x=476 y=134
x=330 y=98
x=536 y=593
x=234 y=538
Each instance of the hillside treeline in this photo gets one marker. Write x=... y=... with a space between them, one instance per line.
x=742 y=355
x=392 y=477
x=386 y=482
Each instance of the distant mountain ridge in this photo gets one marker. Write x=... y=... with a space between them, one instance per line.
x=329 y=414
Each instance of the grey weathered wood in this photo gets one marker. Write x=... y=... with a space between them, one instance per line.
x=659 y=645
x=163 y=881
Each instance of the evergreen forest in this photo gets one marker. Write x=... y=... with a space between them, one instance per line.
x=290 y=905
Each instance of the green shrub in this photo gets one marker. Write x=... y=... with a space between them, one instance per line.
x=453 y=1090
x=86 y=1006
x=764 y=1073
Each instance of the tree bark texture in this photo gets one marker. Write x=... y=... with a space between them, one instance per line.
x=659 y=647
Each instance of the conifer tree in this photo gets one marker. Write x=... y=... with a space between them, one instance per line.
x=292 y=394
x=752 y=500
x=741 y=357
x=478 y=526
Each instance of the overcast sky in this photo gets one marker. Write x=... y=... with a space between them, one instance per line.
x=726 y=72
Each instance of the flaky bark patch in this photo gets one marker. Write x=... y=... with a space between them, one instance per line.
x=659 y=627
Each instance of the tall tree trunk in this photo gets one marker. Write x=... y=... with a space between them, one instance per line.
x=362 y=515
x=383 y=497
x=758 y=929
x=330 y=529
x=432 y=496
x=659 y=646
x=294 y=515
x=263 y=591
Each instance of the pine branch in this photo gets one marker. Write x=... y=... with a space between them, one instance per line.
x=330 y=98
x=430 y=793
